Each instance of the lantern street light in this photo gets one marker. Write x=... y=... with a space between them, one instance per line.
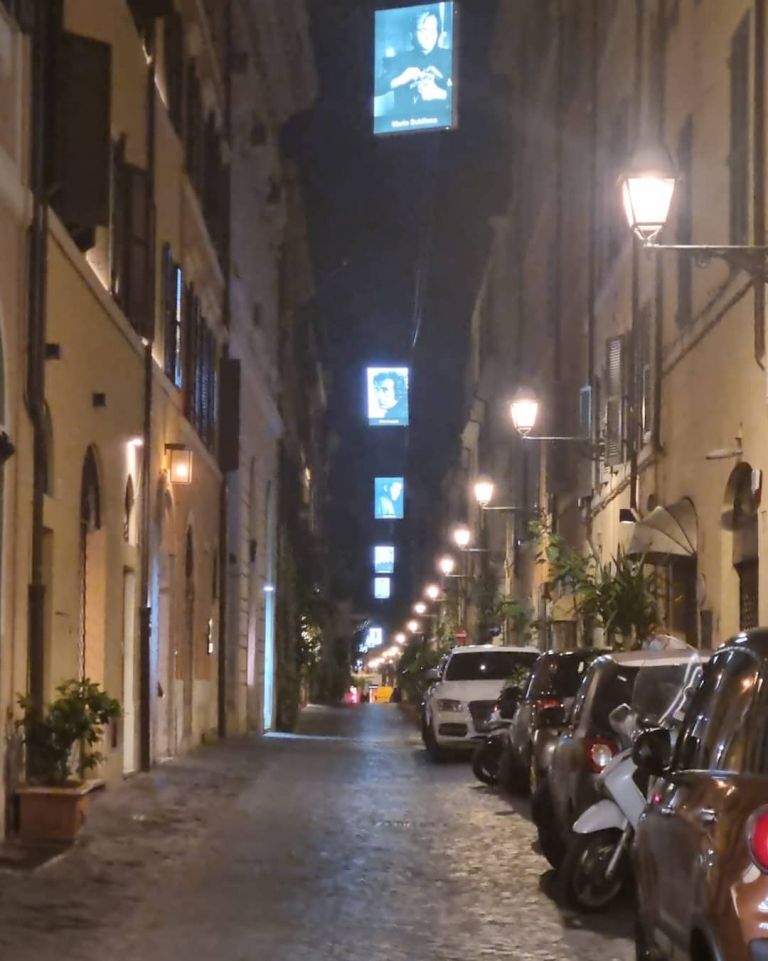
x=462 y=536
x=446 y=565
x=484 y=488
x=647 y=188
x=413 y=626
x=420 y=608
x=524 y=410
x=432 y=591
x=400 y=638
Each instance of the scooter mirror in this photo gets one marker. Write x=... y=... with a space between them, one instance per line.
x=652 y=751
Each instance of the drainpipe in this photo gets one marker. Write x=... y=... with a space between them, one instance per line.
x=658 y=333
x=592 y=250
x=224 y=492
x=145 y=611
x=45 y=15
x=758 y=174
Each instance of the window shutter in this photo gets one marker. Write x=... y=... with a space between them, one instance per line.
x=138 y=300
x=79 y=161
x=585 y=410
x=229 y=414
x=191 y=314
x=614 y=400
x=739 y=135
x=173 y=61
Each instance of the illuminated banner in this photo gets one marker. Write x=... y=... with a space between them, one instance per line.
x=387 y=396
x=384 y=559
x=389 y=498
x=382 y=588
x=414 y=69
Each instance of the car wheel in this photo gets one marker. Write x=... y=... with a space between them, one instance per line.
x=583 y=882
x=485 y=765
x=547 y=824
x=512 y=776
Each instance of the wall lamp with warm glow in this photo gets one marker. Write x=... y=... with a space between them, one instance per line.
x=420 y=608
x=432 y=591
x=524 y=411
x=446 y=565
x=647 y=188
x=413 y=626
x=484 y=491
x=179 y=463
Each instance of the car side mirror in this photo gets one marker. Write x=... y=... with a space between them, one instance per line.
x=431 y=674
x=652 y=751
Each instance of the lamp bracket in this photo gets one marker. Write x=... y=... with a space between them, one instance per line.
x=750 y=258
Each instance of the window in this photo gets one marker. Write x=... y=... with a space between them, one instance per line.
x=132 y=248
x=614 y=400
x=490 y=666
x=685 y=225
x=738 y=160
x=173 y=62
x=716 y=732
x=173 y=310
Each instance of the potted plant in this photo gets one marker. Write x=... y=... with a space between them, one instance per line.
x=61 y=747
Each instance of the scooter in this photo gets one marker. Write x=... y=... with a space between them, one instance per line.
x=486 y=756
x=597 y=865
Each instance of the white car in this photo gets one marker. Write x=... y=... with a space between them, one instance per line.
x=458 y=705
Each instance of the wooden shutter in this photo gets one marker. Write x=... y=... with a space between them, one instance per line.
x=173 y=62
x=739 y=153
x=138 y=251
x=80 y=148
x=229 y=414
x=614 y=400
x=585 y=410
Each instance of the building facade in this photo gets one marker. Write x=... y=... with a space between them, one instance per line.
x=141 y=322
x=655 y=358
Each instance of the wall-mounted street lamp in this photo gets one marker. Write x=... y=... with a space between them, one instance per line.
x=462 y=536
x=446 y=565
x=179 y=463
x=400 y=638
x=414 y=627
x=524 y=411
x=484 y=490
x=647 y=188
x=432 y=591
x=420 y=608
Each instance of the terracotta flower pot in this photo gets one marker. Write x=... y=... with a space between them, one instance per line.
x=53 y=813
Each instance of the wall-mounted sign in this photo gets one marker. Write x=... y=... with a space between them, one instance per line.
x=389 y=498
x=384 y=559
x=387 y=396
x=382 y=588
x=414 y=70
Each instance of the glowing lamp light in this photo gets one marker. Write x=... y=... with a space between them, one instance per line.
x=136 y=442
x=414 y=627
x=446 y=565
x=432 y=591
x=647 y=188
x=420 y=608
x=462 y=536
x=179 y=463
x=484 y=489
x=400 y=638
x=524 y=410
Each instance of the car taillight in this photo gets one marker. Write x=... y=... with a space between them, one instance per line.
x=598 y=752
x=545 y=702
x=758 y=840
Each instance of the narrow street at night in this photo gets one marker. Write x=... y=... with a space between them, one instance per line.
x=340 y=842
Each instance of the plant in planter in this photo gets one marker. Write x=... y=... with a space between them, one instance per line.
x=61 y=747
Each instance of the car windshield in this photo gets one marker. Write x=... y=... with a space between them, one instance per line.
x=490 y=666
x=557 y=675
x=656 y=688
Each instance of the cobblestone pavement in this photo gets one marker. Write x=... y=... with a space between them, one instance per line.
x=340 y=844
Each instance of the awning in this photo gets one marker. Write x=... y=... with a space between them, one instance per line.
x=665 y=531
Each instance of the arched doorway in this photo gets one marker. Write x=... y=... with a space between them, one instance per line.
x=742 y=517
x=162 y=654
x=186 y=663
x=92 y=569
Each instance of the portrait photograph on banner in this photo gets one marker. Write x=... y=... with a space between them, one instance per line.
x=382 y=588
x=414 y=69
x=384 y=559
x=389 y=498
x=387 y=396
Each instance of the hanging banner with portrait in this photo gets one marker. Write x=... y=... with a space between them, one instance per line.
x=389 y=498
x=387 y=396
x=414 y=71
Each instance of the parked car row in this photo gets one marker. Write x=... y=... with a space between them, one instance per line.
x=649 y=766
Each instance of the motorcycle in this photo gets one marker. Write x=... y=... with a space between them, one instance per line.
x=487 y=754
x=596 y=867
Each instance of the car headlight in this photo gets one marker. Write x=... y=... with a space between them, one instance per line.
x=446 y=704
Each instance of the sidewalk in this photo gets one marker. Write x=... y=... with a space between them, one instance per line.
x=139 y=836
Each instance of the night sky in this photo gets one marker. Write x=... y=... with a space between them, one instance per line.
x=388 y=217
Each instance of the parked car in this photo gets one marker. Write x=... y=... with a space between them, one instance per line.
x=458 y=705
x=701 y=855
x=541 y=717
